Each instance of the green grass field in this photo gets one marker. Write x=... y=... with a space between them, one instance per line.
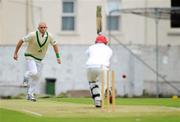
x=82 y=109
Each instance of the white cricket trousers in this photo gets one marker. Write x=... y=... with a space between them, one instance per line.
x=32 y=73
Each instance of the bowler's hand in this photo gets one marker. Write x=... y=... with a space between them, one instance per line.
x=15 y=57
x=59 y=61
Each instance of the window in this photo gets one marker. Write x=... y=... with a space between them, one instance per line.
x=113 y=21
x=68 y=15
x=175 y=17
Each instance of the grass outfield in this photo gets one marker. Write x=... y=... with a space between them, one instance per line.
x=81 y=109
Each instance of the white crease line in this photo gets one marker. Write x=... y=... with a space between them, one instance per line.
x=31 y=112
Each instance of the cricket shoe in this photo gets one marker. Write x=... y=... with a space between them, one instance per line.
x=98 y=103
x=31 y=98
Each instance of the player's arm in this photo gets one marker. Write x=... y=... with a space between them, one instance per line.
x=18 y=46
x=56 y=50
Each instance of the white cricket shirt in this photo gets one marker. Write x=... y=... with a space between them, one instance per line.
x=98 y=54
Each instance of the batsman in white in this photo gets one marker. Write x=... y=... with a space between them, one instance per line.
x=37 y=45
x=99 y=56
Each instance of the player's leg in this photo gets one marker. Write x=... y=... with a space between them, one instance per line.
x=92 y=74
x=95 y=92
x=33 y=76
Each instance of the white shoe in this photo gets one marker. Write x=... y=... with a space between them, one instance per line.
x=31 y=98
x=98 y=103
x=25 y=84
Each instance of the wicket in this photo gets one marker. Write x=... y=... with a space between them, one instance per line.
x=106 y=80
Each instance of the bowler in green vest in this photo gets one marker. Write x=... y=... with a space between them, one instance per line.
x=37 y=45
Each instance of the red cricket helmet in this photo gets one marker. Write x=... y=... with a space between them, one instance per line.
x=101 y=39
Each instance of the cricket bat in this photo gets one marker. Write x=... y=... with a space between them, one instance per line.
x=98 y=19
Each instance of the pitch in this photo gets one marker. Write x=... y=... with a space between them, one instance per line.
x=81 y=109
